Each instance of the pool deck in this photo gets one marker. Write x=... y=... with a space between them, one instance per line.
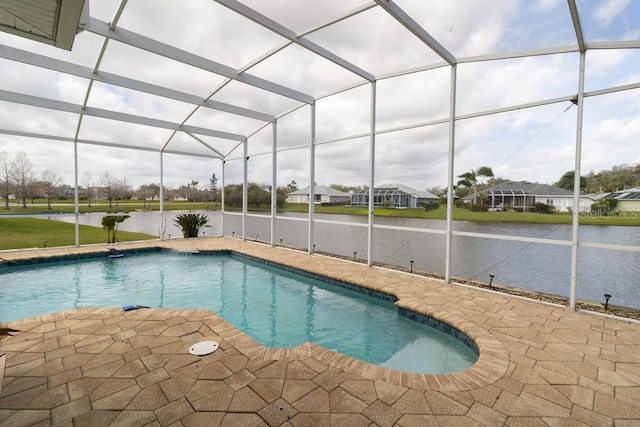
x=539 y=364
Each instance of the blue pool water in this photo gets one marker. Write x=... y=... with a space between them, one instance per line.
x=277 y=308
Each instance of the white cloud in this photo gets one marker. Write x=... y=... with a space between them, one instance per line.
x=546 y=4
x=609 y=10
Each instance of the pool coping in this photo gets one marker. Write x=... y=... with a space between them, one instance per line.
x=492 y=363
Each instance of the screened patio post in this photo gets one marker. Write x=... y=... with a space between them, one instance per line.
x=452 y=144
x=162 y=228
x=312 y=177
x=372 y=174
x=245 y=190
x=575 y=212
x=274 y=180
x=222 y=196
x=76 y=198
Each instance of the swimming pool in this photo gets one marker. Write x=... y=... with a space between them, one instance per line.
x=276 y=307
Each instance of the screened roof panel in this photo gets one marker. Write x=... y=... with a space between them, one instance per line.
x=413 y=98
x=301 y=16
x=184 y=143
x=226 y=38
x=605 y=67
x=610 y=20
x=510 y=82
x=244 y=95
x=40 y=121
x=103 y=10
x=148 y=67
x=40 y=82
x=206 y=117
x=471 y=28
x=121 y=133
x=300 y=69
x=378 y=52
x=114 y=98
x=344 y=114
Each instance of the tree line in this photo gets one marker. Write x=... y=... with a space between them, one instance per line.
x=19 y=179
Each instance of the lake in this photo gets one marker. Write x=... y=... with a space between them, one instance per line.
x=531 y=266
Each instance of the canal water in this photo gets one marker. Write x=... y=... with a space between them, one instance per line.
x=531 y=266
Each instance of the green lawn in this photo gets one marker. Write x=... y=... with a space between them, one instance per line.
x=39 y=206
x=19 y=233
x=460 y=214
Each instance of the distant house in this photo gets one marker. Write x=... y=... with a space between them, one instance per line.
x=322 y=194
x=626 y=200
x=525 y=195
x=400 y=196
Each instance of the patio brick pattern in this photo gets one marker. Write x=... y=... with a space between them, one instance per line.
x=539 y=364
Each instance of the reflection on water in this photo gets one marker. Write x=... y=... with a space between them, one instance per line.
x=149 y=222
x=532 y=266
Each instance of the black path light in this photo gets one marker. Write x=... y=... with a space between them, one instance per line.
x=355 y=254
x=411 y=268
x=491 y=276
x=607 y=297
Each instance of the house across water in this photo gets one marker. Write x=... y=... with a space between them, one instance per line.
x=393 y=195
x=524 y=196
x=321 y=194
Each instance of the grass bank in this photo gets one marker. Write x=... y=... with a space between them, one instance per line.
x=20 y=233
x=459 y=214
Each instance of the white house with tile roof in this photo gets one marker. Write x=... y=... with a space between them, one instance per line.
x=322 y=194
x=525 y=195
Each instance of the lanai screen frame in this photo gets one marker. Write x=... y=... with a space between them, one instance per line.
x=111 y=31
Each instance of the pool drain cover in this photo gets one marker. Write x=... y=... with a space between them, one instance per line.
x=203 y=348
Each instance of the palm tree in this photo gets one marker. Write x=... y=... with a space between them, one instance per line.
x=470 y=179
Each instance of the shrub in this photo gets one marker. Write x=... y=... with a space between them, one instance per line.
x=191 y=223
x=480 y=207
x=543 y=208
x=110 y=223
x=430 y=206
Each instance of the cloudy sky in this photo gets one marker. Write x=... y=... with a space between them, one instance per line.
x=534 y=144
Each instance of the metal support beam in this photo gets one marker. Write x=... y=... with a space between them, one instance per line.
x=162 y=228
x=150 y=45
x=274 y=181
x=372 y=173
x=577 y=25
x=410 y=24
x=576 y=188
x=285 y=32
x=245 y=188
x=37 y=60
x=222 y=196
x=36 y=101
x=450 y=175
x=312 y=179
x=76 y=196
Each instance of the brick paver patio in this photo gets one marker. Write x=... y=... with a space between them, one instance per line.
x=539 y=364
